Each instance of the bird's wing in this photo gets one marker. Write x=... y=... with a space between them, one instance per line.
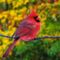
x=24 y=29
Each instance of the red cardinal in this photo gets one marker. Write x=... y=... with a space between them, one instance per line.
x=27 y=30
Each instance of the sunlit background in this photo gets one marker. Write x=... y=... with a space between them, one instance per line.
x=12 y=12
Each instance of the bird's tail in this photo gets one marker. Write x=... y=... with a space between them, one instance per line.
x=9 y=49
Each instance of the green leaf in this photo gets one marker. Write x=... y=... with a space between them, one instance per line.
x=32 y=1
x=55 y=48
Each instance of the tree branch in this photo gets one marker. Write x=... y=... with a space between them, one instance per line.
x=43 y=37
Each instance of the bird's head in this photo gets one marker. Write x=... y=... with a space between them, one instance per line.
x=34 y=15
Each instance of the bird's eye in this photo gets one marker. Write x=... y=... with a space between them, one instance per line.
x=36 y=19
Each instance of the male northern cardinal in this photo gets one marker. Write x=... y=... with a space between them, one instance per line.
x=27 y=30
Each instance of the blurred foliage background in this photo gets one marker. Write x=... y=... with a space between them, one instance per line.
x=12 y=12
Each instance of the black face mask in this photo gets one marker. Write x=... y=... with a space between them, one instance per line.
x=36 y=19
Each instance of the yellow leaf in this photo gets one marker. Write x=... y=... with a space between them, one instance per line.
x=26 y=1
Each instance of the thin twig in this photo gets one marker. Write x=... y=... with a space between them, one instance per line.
x=6 y=36
x=34 y=39
x=46 y=37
